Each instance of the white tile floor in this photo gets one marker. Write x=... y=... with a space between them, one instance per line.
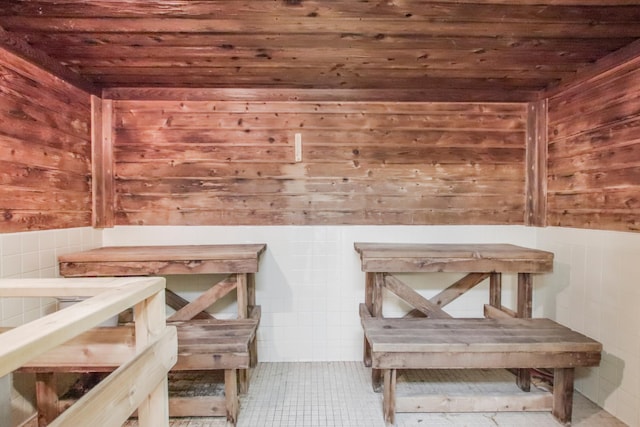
x=336 y=394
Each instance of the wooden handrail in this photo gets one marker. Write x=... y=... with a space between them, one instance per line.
x=155 y=344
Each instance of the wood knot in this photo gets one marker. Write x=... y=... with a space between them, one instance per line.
x=193 y=264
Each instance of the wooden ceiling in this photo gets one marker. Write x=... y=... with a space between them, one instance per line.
x=478 y=49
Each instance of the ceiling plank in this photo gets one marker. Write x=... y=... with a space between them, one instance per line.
x=483 y=49
x=375 y=42
x=286 y=94
x=285 y=24
x=623 y=57
x=462 y=11
x=21 y=48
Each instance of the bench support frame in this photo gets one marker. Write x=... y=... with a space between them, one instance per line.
x=425 y=346
x=72 y=357
x=559 y=403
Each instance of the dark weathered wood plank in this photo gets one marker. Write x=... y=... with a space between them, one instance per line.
x=430 y=309
x=458 y=288
x=44 y=148
x=444 y=50
x=167 y=253
x=467 y=10
x=418 y=155
x=478 y=336
x=25 y=175
x=292 y=24
x=332 y=217
x=489 y=360
x=47 y=392
x=403 y=257
x=102 y=165
x=607 y=64
x=176 y=302
x=197 y=406
x=489 y=402
x=159 y=260
x=316 y=94
x=452 y=292
x=205 y=300
x=495 y=290
x=237 y=42
x=232 y=403
x=593 y=147
x=389 y=398
x=221 y=175
x=16 y=45
x=501 y=312
x=536 y=188
x=563 y=394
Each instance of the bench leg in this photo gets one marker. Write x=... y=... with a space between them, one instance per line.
x=243 y=374
x=563 y=394
x=46 y=398
x=389 y=396
x=366 y=353
x=243 y=380
x=524 y=311
x=376 y=380
x=368 y=302
x=523 y=379
x=495 y=290
x=253 y=352
x=231 y=395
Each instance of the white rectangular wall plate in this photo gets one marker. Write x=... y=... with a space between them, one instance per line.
x=298 y=147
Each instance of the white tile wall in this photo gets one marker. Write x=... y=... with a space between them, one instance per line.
x=29 y=255
x=310 y=283
x=595 y=289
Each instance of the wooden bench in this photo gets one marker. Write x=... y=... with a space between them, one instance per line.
x=212 y=344
x=423 y=343
x=207 y=344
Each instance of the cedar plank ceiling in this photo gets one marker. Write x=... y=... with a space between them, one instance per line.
x=504 y=50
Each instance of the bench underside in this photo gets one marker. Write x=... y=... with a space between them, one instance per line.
x=424 y=343
x=203 y=344
x=559 y=402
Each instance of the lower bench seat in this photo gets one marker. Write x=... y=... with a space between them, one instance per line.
x=422 y=343
x=208 y=344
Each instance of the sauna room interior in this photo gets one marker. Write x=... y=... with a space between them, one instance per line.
x=312 y=126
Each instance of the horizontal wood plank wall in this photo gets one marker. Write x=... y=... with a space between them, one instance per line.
x=45 y=149
x=233 y=162
x=594 y=152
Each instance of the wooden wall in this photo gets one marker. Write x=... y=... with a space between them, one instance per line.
x=45 y=149
x=594 y=152
x=233 y=162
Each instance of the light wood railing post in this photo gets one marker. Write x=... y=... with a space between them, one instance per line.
x=149 y=324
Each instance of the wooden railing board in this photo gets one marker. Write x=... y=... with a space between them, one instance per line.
x=140 y=383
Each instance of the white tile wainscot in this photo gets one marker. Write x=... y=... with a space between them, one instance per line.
x=594 y=289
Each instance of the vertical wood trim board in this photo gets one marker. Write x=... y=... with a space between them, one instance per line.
x=102 y=162
x=97 y=175
x=233 y=162
x=594 y=152
x=45 y=149
x=536 y=176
